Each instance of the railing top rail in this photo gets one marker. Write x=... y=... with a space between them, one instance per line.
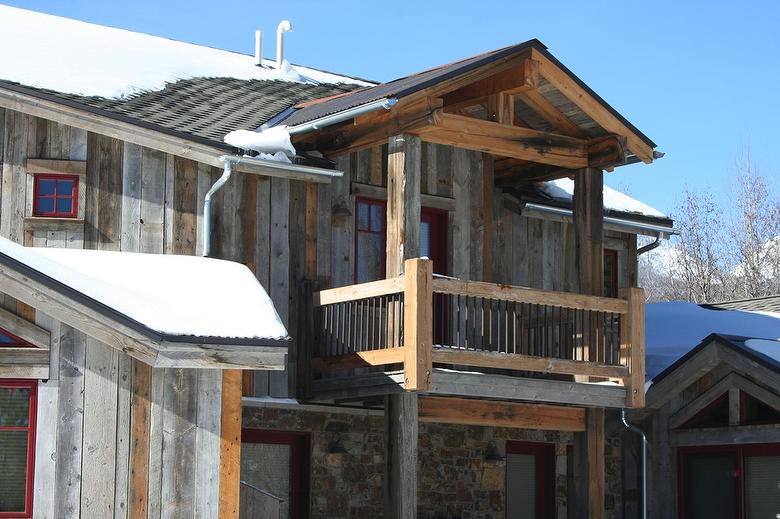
x=264 y=492
x=381 y=287
x=529 y=295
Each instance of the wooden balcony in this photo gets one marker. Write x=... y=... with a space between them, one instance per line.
x=439 y=335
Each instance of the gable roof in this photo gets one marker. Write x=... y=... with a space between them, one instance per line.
x=411 y=84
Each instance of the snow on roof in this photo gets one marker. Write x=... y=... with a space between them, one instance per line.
x=172 y=295
x=675 y=328
x=563 y=189
x=75 y=57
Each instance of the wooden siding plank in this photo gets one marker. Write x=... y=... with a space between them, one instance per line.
x=131 y=198
x=14 y=175
x=230 y=445
x=152 y=201
x=207 y=443
x=70 y=420
x=140 y=433
x=184 y=206
x=123 y=434
x=100 y=430
x=279 y=282
x=342 y=218
x=180 y=412
x=156 y=425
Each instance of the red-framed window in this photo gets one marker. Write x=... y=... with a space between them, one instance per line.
x=18 y=404
x=370 y=239
x=729 y=481
x=610 y=273
x=530 y=480
x=275 y=464
x=56 y=195
x=9 y=340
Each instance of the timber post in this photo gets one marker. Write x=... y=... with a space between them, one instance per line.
x=418 y=324
x=403 y=242
x=632 y=346
x=588 y=206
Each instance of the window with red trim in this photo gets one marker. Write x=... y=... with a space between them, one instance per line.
x=55 y=196
x=530 y=480
x=729 y=481
x=17 y=446
x=370 y=236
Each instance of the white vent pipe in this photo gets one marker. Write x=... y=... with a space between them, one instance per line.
x=258 y=48
x=282 y=28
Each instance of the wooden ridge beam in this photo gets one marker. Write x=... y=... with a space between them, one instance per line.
x=591 y=106
x=501 y=414
x=504 y=140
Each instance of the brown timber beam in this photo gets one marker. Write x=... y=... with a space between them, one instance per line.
x=507 y=141
x=488 y=413
x=592 y=107
x=403 y=242
x=520 y=78
x=589 y=246
x=230 y=445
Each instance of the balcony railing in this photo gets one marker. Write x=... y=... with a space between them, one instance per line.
x=416 y=321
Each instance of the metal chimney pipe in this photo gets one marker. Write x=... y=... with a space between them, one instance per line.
x=282 y=28
x=258 y=48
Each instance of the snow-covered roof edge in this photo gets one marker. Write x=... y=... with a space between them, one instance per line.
x=117 y=63
x=562 y=190
x=16 y=263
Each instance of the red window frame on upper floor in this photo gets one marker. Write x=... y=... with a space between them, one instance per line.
x=30 y=428
x=73 y=196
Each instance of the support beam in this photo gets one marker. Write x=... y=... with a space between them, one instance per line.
x=592 y=106
x=403 y=242
x=511 y=81
x=418 y=324
x=501 y=414
x=589 y=252
x=506 y=141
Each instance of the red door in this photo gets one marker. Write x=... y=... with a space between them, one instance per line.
x=433 y=238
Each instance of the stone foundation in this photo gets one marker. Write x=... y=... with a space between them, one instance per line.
x=455 y=480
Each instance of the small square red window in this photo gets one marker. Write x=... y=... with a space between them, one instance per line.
x=56 y=196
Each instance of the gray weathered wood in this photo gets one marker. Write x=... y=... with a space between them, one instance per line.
x=156 y=425
x=207 y=443
x=14 y=175
x=70 y=426
x=401 y=433
x=342 y=218
x=100 y=430
x=152 y=201
x=131 y=198
x=179 y=454
x=24 y=329
x=124 y=381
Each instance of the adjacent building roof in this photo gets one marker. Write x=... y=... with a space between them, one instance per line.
x=675 y=329
x=759 y=304
x=166 y=296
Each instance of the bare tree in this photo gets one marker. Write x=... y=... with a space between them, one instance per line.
x=722 y=253
x=755 y=232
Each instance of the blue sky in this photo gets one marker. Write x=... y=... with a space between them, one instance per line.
x=698 y=77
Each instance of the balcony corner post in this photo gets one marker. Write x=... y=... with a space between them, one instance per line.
x=418 y=324
x=633 y=338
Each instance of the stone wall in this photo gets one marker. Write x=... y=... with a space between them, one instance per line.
x=455 y=479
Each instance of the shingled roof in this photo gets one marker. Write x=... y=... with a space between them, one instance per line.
x=204 y=109
x=758 y=304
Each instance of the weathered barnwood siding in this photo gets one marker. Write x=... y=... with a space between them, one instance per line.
x=117 y=438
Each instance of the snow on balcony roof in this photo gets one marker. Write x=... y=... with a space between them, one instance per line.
x=172 y=295
x=74 y=57
x=563 y=189
x=675 y=328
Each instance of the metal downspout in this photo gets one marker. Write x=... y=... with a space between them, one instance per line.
x=639 y=431
x=649 y=246
x=228 y=170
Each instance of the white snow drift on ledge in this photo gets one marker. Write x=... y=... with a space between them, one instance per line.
x=173 y=295
x=272 y=143
x=563 y=189
x=74 y=57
